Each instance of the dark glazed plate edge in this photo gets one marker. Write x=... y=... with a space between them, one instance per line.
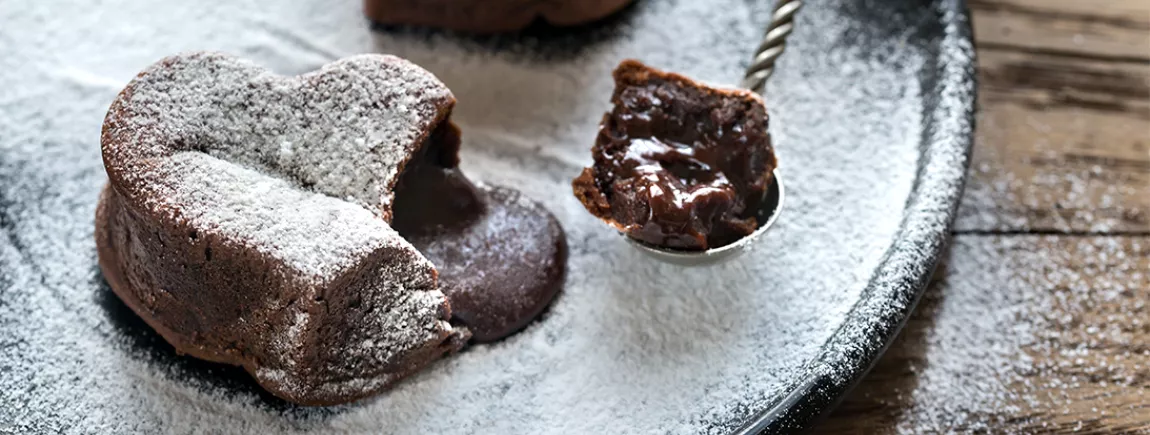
x=906 y=268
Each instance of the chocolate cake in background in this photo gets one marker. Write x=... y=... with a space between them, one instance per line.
x=489 y=16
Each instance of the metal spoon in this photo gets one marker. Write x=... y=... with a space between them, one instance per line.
x=762 y=66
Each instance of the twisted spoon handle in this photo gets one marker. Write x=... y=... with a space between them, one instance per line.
x=774 y=42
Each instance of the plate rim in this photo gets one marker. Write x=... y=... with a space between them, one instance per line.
x=907 y=265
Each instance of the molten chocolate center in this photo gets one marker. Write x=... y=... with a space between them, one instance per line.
x=680 y=170
x=500 y=258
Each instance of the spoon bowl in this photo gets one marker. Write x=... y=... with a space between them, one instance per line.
x=766 y=215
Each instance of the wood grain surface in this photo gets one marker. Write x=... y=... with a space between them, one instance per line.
x=1038 y=321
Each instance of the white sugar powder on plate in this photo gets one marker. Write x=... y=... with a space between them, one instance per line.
x=630 y=347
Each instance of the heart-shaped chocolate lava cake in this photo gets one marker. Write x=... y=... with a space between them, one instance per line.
x=248 y=219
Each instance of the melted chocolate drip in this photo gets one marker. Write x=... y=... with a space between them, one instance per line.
x=501 y=258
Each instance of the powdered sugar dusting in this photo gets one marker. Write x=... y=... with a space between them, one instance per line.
x=1034 y=329
x=317 y=235
x=630 y=346
x=343 y=131
x=1040 y=171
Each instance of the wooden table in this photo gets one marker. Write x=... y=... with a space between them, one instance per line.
x=1039 y=318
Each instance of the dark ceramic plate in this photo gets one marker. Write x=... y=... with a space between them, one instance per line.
x=871 y=111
